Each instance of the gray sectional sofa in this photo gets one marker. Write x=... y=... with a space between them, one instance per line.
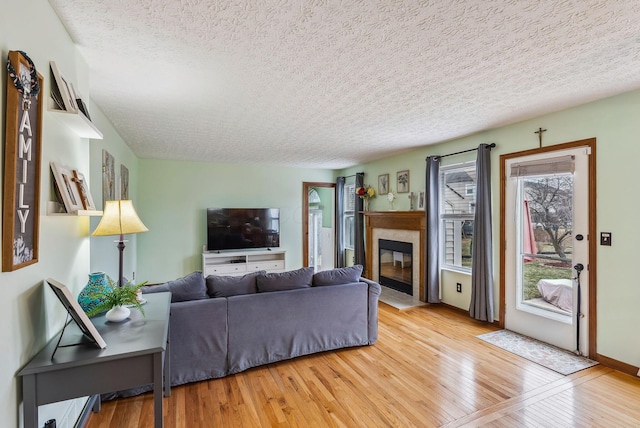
x=223 y=325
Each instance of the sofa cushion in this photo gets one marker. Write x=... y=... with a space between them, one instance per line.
x=337 y=276
x=226 y=286
x=190 y=287
x=290 y=280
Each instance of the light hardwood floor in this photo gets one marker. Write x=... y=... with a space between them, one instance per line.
x=427 y=369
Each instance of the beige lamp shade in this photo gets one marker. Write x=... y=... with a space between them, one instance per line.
x=119 y=218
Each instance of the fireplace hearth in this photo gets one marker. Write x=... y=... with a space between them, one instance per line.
x=395 y=261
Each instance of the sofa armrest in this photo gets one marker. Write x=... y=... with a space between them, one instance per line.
x=198 y=340
x=372 y=306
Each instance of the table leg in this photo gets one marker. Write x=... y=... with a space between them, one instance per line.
x=30 y=407
x=167 y=368
x=157 y=389
x=97 y=405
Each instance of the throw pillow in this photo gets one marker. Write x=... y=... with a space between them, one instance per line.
x=290 y=280
x=338 y=276
x=190 y=287
x=226 y=286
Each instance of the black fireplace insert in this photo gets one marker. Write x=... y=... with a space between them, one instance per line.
x=395 y=265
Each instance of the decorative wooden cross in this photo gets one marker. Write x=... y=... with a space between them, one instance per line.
x=539 y=132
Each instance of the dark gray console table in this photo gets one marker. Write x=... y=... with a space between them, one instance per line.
x=137 y=349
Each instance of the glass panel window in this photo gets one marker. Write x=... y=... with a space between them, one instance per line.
x=457 y=212
x=545 y=242
x=349 y=215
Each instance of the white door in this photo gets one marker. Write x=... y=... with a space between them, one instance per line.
x=547 y=221
x=315 y=239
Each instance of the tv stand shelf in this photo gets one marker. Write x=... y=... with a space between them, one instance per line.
x=237 y=263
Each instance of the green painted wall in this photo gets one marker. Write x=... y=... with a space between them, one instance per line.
x=29 y=311
x=615 y=123
x=104 y=254
x=174 y=196
x=171 y=198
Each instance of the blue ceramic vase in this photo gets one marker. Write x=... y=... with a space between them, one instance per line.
x=97 y=283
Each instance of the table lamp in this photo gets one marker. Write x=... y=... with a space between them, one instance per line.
x=119 y=218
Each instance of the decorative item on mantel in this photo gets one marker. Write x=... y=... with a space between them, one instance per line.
x=365 y=193
x=391 y=197
x=411 y=201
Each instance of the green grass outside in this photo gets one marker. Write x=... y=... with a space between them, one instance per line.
x=538 y=269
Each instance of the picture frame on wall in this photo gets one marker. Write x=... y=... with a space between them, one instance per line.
x=67 y=188
x=83 y=190
x=22 y=160
x=108 y=177
x=403 y=181
x=124 y=182
x=383 y=184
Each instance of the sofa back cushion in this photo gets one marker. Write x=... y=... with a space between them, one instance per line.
x=301 y=278
x=338 y=276
x=190 y=287
x=226 y=286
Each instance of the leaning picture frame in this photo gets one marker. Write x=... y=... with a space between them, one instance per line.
x=67 y=188
x=83 y=190
x=64 y=88
x=421 y=200
x=76 y=313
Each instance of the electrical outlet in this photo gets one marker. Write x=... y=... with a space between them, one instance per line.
x=605 y=238
x=458 y=287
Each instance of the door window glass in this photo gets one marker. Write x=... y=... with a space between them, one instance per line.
x=545 y=242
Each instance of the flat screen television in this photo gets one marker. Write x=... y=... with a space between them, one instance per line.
x=242 y=228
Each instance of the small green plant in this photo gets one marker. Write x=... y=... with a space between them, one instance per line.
x=116 y=296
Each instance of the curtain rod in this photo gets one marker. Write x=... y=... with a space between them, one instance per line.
x=352 y=175
x=490 y=146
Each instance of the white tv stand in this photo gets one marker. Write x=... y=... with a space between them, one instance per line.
x=237 y=263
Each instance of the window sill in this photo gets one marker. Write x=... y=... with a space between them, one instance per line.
x=465 y=271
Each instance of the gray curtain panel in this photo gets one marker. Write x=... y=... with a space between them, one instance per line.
x=359 y=224
x=482 y=266
x=432 y=250
x=340 y=222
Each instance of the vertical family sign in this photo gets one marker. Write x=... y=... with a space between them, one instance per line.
x=21 y=200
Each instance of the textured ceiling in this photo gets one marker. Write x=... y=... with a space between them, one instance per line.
x=329 y=83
